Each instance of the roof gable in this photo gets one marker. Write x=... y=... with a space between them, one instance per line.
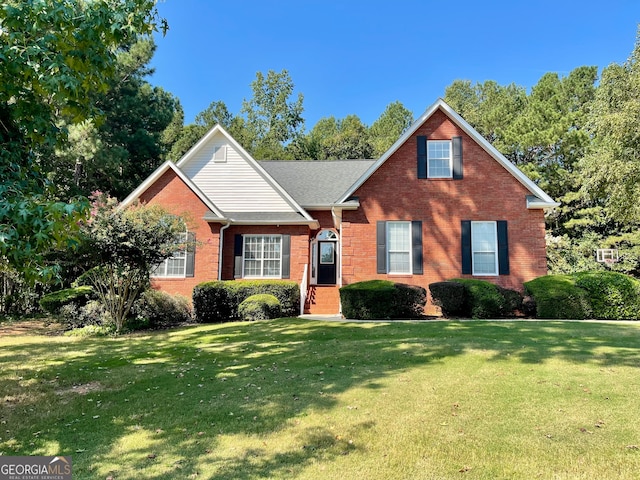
x=155 y=176
x=228 y=175
x=544 y=200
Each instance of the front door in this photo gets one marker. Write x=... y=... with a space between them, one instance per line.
x=326 y=263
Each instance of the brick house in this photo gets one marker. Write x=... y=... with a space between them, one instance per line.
x=440 y=203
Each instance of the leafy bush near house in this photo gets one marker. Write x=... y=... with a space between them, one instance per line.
x=451 y=297
x=261 y=306
x=474 y=298
x=558 y=296
x=93 y=313
x=612 y=295
x=382 y=299
x=157 y=309
x=218 y=301
x=53 y=302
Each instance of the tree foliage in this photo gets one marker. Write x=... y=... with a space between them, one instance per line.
x=611 y=171
x=47 y=74
x=389 y=127
x=272 y=118
x=124 y=246
x=124 y=143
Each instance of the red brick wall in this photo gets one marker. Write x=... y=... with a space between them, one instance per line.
x=175 y=196
x=487 y=192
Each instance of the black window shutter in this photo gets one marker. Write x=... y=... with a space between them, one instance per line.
x=422 y=157
x=286 y=256
x=416 y=246
x=457 y=157
x=237 y=256
x=466 y=246
x=191 y=254
x=381 y=246
x=503 y=248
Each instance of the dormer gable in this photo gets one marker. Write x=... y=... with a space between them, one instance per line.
x=448 y=157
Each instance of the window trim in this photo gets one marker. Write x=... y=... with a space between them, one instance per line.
x=495 y=251
x=262 y=259
x=450 y=174
x=183 y=238
x=389 y=251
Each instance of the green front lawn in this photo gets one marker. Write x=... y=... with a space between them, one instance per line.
x=299 y=399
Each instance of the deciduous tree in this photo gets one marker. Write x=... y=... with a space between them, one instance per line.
x=53 y=57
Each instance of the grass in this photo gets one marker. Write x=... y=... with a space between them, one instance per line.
x=310 y=400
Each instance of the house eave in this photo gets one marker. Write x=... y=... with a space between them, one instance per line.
x=534 y=202
x=350 y=205
x=236 y=219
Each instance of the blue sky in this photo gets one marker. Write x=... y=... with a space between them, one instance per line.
x=356 y=57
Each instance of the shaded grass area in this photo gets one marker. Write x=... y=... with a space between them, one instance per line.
x=298 y=399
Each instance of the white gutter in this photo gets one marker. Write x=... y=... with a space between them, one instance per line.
x=221 y=233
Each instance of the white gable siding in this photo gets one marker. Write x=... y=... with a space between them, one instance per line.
x=234 y=185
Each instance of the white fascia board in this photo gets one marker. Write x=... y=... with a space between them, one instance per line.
x=313 y=224
x=546 y=200
x=254 y=163
x=155 y=176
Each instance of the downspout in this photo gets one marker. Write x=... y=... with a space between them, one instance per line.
x=337 y=219
x=221 y=233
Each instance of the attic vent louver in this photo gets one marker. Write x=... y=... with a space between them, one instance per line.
x=220 y=154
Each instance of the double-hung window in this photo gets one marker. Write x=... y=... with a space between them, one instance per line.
x=439 y=159
x=176 y=264
x=399 y=247
x=484 y=246
x=262 y=256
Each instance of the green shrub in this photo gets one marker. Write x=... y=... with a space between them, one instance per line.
x=382 y=299
x=514 y=301
x=92 y=313
x=211 y=302
x=92 y=331
x=558 y=296
x=261 y=306
x=487 y=300
x=612 y=295
x=218 y=301
x=157 y=309
x=451 y=297
x=52 y=302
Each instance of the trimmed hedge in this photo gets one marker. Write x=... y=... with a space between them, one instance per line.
x=465 y=297
x=451 y=297
x=261 y=306
x=595 y=294
x=382 y=299
x=53 y=302
x=557 y=296
x=613 y=295
x=485 y=299
x=218 y=301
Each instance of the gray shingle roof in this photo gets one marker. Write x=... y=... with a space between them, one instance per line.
x=316 y=183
